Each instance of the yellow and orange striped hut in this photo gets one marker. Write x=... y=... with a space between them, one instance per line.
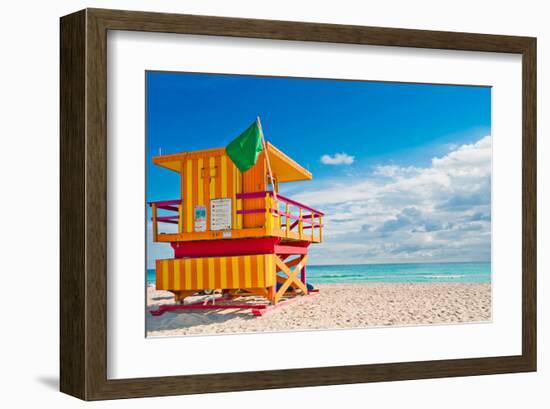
x=235 y=233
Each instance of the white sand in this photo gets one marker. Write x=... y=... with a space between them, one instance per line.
x=337 y=306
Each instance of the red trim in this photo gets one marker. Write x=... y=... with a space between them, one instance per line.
x=166 y=202
x=221 y=248
x=260 y=312
x=290 y=249
x=238 y=247
x=257 y=309
x=251 y=195
x=171 y=208
x=250 y=211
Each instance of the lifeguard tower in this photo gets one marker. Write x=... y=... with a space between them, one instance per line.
x=235 y=233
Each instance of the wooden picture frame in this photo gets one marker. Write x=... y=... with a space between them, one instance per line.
x=83 y=157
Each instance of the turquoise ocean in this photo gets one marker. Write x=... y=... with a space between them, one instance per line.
x=472 y=272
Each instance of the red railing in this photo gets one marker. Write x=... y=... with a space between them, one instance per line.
x=294 y=214
x=288 y=215
x=168 y=206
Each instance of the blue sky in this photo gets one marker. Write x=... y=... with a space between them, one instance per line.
x=367 y=142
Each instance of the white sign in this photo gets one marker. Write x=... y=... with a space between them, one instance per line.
x=220 y=214
x=200 y=218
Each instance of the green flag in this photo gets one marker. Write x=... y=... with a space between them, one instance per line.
x=246 y=147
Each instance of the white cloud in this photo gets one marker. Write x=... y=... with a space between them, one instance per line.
x=467 y=160
x=393 y=170
x=441 y=212
x=337 y=159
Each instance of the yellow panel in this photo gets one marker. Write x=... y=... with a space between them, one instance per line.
x=212 y=175
x=178 y=274
x=177 y=284
x=188 y=199
x=187 y=264
x=254 y=181
x=260 y=272
x=247 y=272
x=270 y=270
x=238 y=189
x=200 y=175
x=164 y=275
x=235 y=269
x=223 y=272
x=199 y=273
x=158 y=274
x=211 y=277
x=224 y=176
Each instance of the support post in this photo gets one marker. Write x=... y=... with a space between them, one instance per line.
x=180 y=218
x=264 y=146
x=312 y=225
x=155 y=225
x=301 y=224
x=268 y=215
x=287 y=219
x=279 y=215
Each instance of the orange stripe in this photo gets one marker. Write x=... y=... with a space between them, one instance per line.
x=176 y=275
x=254 y=181
x=182 y=178
x=241 y=271
x=254 y=271
x=189 y=196
x=206 y=191
x=170 y=275
x=193 y=274
x=238 y=189
x=187 y=268
x=212 y=179
x=223 y=272
x=268 y=263
x=229 y=272
x=202 y=268
x=182 y=273
x=202 y=175
x=158 y=274
x=182 y=195
x=218 y=164
x=195 y=195
x=261 y=271
x=217 y=273
x=230 y=191
x=210 y=267
x=235 y=271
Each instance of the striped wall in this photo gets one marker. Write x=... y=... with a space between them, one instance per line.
x=209 y=177
x=234 y=272
x=254 y=181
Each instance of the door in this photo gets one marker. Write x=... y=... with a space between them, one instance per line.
x=254 y=181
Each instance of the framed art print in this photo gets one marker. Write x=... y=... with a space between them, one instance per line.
x=252 y=204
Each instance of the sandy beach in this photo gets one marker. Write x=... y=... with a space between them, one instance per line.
x=336 y=306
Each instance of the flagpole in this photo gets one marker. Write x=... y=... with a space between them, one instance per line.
x=264 y=144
